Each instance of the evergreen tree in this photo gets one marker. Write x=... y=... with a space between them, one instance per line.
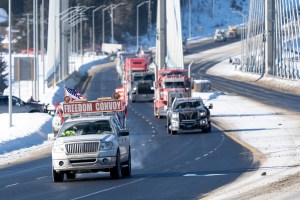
x=3 y=85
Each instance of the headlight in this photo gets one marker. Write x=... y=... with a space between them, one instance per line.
x=134 y=88
x=201 y=113
x=175 y=115
x=106 y=145
x=59 y=148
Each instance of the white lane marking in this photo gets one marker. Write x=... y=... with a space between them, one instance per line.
x=112 y=188
x=153 y=127
x=211 y=151
x=205 y=155
x=153 y=135
x=153 y=131
x=12 y=185
x=198 y=158
x=150 y=140
x=143 y=144
x=189 y=175
x=150 y=123
x=133 y=149
x=41 y=177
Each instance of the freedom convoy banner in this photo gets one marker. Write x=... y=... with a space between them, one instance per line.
x=92 y=107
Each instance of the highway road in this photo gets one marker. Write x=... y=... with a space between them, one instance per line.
x=254 y=91
x=183 y=166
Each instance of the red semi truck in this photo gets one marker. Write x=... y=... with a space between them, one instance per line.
x=170 y=83
x=139 y=79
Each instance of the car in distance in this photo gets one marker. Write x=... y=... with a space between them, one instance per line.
x=220 y=35
x=91 y=144
x=19 y=106
x=188 y=114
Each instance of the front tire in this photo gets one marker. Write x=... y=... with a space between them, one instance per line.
x=57 y=176
x=207 y=129
x=126 y=171
x=168 y=127
x=116 y=172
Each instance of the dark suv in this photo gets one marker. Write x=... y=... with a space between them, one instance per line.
x=188 y=115
x=19 y=106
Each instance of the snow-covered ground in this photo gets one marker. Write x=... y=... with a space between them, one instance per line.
x=29 y=131
x=272 y=134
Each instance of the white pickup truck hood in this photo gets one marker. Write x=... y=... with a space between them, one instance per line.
x=91 y=137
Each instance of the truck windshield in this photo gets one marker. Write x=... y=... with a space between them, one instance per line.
x=148 y=77
x=85 y=128
x=188 y=104
x=174 y=85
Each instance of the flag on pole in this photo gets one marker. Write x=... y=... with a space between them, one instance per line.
x=72 y=93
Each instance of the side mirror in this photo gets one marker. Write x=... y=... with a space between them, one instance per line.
x=51 y=137
x=52 y=112
x=165 y=108
x=124 y=132
x=210 y=106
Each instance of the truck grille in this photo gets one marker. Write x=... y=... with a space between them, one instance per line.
x=144 y=88
x=82 y=147
x=188 y=116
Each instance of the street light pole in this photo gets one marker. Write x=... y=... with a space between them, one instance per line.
x=112 y=20
x=243 y=35
x=137 y=23
x=103 y=27
x=190 y=32
x=10 y=67
x=79 y=10
x=94 y=25
x=112 y=24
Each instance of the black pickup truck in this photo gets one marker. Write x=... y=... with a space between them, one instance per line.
x=188 y=114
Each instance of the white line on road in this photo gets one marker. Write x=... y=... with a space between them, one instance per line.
x=204 y=175
x=112 y=188
x=12 y=185
x=42 y=177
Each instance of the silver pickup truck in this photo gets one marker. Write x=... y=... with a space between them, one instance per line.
x=91 y=144
x=188 y=114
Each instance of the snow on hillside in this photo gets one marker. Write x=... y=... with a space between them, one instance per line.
x=206 y=17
